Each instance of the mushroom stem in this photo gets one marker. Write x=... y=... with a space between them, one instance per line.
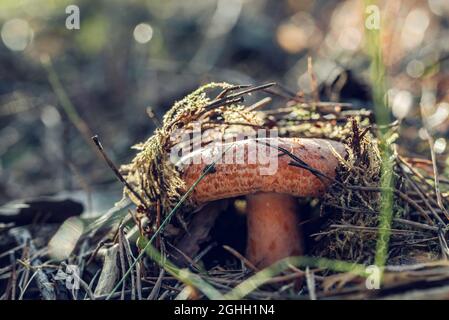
x=273 y=231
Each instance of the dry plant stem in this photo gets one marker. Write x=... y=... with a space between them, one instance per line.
x=423 y=197
x=400 y=194
x=436 y=179
x=91 y=285
x=416 y=224
x=26 y=276
x=275 y=217
x=202 y=253
x=122 y=259
x=225 y=92
x=241 y=258
x=130 y=260
x=157 y=286
x=183 y=258
x=13 y=277
x=94 y=253
x=158 y=223
x=369 y=229
x=226 y=98
x=139 y=280
x=23 y=236
x=313 y=80
x=116 y=171
x=434 y=162
x=260 y=104
x=310 y=281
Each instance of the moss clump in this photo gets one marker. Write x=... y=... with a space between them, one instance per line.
x=352 y=214
x=352 y=207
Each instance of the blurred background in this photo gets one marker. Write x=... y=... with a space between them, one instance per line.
x=59 y=86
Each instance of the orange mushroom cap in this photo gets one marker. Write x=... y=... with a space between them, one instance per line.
x=273 y=231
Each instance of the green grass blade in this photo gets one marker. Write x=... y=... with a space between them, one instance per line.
x=261 y=277
x=383 y=117
x=183 y=275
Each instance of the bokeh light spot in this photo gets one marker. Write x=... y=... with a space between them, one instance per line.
x=415 y=26
x=16 y=34
x=439 y=145
x=439 y=7
x=50 y=116
x=415 y=68
x=350 y=39
x=298 y=33
x=143 y=33
x=402 y=103
x=439 y=116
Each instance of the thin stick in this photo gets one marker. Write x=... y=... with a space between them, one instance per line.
x=240 y=257
x=313 y=80
x=158 y=223
x=138 y=280
x=301 y=164
x=130 y=259
x=95 y=252
x=13 y=276
x=26 y=275
x=115 y=170
x=260 y=104
x=154 y=292
x=416 y=224
x=423 y=197
x=310 y=280
x=122 y=260
x=233 y=88
x=91 y=283
x=435 y=175
x=434 y=162
x=220 y=101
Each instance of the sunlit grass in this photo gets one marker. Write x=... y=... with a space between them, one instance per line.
x=255 y=281
x=383 y=118
x=263 y=276
x=184 y=275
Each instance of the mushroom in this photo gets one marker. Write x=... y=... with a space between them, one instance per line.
x=272 y=207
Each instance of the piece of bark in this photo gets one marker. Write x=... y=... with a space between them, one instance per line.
x=109 y=273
